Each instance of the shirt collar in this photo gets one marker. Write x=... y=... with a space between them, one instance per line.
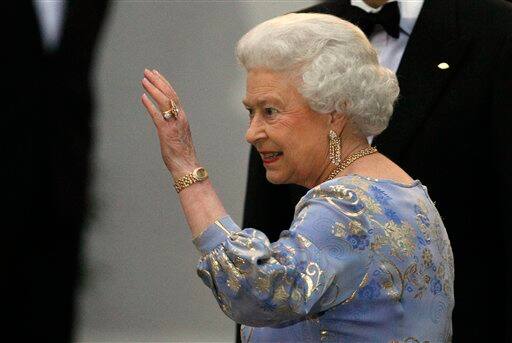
x=409 y=11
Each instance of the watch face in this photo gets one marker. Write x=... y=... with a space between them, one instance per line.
x=201 y=173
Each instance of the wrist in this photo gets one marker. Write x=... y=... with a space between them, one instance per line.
x=197 y=175
x=184 y=170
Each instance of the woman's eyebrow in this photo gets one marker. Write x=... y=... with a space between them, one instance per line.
x=263 y=100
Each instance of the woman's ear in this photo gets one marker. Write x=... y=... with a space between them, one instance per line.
x=338 y=121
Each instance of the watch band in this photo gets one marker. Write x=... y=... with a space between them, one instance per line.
x=199 y=174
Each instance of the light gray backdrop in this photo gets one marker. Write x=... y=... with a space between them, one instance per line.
x=140 y=282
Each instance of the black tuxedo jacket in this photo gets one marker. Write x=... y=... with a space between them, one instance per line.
x=451 y=130
x=48 y=114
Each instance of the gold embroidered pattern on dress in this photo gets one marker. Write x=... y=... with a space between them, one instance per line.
x=306 y=243
x=262 y=284
x=347 y=213
x=400 y=239
x=339 y=230
x=407 y=256
x=370 y=204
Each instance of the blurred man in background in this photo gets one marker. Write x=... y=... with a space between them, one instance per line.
x=50 y=49
x=452 y=59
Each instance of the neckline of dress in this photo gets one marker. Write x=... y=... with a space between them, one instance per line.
x=396 y=183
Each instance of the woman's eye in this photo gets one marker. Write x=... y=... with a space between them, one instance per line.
x=270 y=111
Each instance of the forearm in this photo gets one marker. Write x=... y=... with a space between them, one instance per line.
x=201 y=206
x=200 y=203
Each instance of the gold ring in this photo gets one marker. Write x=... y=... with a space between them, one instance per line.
x=173 y=112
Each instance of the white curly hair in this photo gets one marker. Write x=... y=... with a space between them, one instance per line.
x=338 y=69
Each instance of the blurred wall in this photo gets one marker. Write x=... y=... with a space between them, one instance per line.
x=139 y=281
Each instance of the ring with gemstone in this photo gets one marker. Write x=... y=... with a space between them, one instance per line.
x=173 y=112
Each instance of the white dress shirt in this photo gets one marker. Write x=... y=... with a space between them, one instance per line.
x=389 y=49
x=50 y=14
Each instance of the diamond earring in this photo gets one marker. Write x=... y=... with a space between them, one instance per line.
x=334 y=148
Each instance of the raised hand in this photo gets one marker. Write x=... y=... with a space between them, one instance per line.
x=173 y=131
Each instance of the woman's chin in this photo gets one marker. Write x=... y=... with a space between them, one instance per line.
x=276 y=178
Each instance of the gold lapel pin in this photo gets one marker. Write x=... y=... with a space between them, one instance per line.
x=443 y=66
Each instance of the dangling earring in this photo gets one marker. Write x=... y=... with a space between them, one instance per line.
x=334 y=148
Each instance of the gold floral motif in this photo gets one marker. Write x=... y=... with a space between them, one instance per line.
x=370 y=204
x=423 y=206
x=447 y=286
x=392 y=279
x=342 y=192
x=262 y=284
x=339 y=230
x=303 y=241
x=421 y=218
x=387 y=284
x=445 y=270
x=241 y=264
x=378 y=242
x=361 y=183
x=400 y=238
x=356 y=228
x=440 y=271
x=426 y=256
x=392 y=288
x=280 y=294
x=233 y=283
x=215 y=263
x=417 y=277
x=224 y=264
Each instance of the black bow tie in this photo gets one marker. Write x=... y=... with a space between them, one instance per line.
x=388 y=17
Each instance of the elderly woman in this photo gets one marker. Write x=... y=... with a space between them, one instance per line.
x=367 y=258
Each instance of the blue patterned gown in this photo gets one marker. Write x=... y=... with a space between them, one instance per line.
x=365 y=260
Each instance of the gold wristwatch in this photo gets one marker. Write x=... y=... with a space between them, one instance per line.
x=199 y=174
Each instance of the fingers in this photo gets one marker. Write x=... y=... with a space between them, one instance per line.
x=162 y=100
x=160 y=83
x=152 y=110
x=162 y=77
x=162 y=93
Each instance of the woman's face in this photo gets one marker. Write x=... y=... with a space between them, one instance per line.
x=291 y=138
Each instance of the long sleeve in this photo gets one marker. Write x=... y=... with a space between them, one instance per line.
x=311 y=268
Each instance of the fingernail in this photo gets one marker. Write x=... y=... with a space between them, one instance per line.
x=156 y=71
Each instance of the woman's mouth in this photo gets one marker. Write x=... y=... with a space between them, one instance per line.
x=270 y=157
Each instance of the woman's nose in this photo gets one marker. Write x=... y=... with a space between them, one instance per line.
x=255 y=132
